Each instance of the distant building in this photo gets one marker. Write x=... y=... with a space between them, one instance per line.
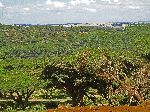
x=71 y=24
x=144 y=22
x=98 y=25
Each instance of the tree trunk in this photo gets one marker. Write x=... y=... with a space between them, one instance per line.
x=1 y=95
x=74 y=100
x=77 y=99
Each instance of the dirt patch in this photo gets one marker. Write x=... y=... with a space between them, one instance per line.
x=141 y=108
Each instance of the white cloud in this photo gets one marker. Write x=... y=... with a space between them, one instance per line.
x=134 y=7
x=1 y=5
x=106 y=0
x=77 y=2
x=91 y=10
x=116 y=1
x=26 y=9
x=56 y=4
x=111 y=1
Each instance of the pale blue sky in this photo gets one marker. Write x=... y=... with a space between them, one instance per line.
x=64 y=11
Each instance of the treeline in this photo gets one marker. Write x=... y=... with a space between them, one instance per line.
x=87 y=64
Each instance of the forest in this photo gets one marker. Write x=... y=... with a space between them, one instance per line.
x=52 y=68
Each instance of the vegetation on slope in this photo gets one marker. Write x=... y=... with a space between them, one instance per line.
x=86 y=63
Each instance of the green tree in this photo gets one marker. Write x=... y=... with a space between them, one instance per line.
x=19 y=85
x=76 y=75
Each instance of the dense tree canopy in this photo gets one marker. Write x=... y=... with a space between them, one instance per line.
x=114 y=63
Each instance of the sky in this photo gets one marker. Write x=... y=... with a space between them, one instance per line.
x=73 y=11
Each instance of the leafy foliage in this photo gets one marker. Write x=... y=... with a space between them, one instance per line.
x=114 y=63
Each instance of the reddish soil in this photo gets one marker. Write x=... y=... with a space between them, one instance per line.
x=141 y=108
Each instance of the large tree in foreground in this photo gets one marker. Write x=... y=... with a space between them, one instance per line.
x=96 y=70
x=76 y=75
